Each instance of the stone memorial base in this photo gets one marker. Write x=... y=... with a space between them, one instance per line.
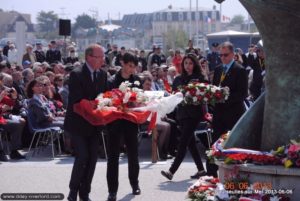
x=278 y=176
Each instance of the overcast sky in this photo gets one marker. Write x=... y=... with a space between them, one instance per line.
x=116 y=8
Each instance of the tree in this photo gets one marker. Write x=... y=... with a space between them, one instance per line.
x=85 y=21
x=175 y=39
x=47 y=21
x=237 y=19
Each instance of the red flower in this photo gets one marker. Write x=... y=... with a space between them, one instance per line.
x=192 y=91
x=132 y=97
x=116 y=102
x=107 y=94
x=218 y=95
x=298 y=163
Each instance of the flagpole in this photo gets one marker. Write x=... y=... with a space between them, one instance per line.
x=190 y=22
x=197 y=24
x=221 y=17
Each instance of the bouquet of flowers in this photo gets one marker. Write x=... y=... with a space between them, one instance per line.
x=128 y=95
x=196 y=93
x=289 y=155
x=203 y=189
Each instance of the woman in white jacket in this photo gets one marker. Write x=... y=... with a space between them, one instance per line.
x=12 y=54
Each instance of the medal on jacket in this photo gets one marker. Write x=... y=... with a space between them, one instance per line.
x=223 y=75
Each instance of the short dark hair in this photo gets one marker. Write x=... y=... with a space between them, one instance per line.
x=29 y=90
x=127 y=57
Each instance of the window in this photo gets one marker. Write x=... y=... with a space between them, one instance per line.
x=169 y=16
x=180 y=16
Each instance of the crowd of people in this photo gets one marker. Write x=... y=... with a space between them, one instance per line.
x=48 y=85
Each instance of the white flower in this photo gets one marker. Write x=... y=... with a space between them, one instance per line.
x=213 y=90
x=195 y=99
x=126 y=97
x=205 y=99
x=201 y=85
x=123 y=87
x=137 y=83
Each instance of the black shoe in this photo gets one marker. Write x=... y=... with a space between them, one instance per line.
x=136 y=190
x=85 y=199
x=164 y=157
x=198 y=174
x=3 y=157
x=167 y=174
x=16 y=155
x=112 y=197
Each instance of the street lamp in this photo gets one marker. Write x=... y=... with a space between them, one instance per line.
x=219 y=1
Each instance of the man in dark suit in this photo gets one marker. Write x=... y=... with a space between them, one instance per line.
x=225 y=115
x=53 y=55
x=85 y=83
x=39 y=53
x=213 y=57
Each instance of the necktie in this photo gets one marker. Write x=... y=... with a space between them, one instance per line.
x=225 y=69
x=94 y=76
x=223 y=74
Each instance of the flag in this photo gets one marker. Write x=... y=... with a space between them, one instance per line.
x=207 y=19
x=225 y=19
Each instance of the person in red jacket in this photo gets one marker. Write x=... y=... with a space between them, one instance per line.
x=177 y=61
x=13 y=125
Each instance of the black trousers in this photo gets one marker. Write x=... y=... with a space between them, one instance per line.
x=187 y=140
x=223 y=121
x=85 y=149
x=127 y=130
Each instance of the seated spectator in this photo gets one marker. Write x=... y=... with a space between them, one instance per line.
x=37 y=69
x=51 y=76
x=163 y=127
x=38 y=106
x=10 y=123
x=28 y=75
x=64 y=92
x=58 y=84
x=171 y=74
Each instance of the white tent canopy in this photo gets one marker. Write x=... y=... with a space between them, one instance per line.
x=109 y=27
x=228 y=33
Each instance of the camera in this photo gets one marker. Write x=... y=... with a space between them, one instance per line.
x=9 y=90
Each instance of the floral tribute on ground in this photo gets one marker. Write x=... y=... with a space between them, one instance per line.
x=287 y=155
x=237 y=187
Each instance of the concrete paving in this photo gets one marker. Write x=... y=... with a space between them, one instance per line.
x=43 y=175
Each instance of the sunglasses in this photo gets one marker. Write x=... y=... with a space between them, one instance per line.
x=224 y=55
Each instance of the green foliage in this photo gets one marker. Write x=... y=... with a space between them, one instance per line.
x=175 y=39
x=85 y=21
x=237 y=19
x=47 y=21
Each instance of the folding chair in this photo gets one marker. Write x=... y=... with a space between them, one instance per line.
x=204 y=129
x=5 y=137
x=43 y=135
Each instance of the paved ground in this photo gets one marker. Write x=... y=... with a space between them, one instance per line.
x=42 y=175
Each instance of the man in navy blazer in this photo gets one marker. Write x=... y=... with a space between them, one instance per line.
x=85 y=82
x=225 y=115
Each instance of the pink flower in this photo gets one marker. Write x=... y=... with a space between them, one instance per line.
x=298 y=163
x=294 y=148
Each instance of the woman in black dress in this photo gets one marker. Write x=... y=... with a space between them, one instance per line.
x=188 y=117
